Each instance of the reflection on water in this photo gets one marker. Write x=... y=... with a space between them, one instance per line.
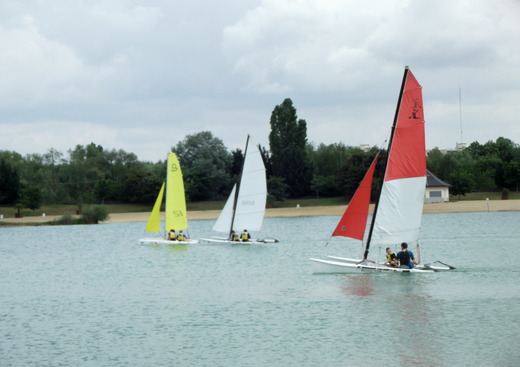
x=359 y=285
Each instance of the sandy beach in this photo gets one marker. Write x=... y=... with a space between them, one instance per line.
x=449 y=207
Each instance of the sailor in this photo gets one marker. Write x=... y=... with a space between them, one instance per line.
x=391 y=258
x=172 y=236
x=405 y=257
x=245 y=236
x=234 y=236
x=181 y=236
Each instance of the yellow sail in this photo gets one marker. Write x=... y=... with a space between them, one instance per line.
x=154 y=222
x=175 y=200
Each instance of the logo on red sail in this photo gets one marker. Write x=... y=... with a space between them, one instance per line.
x=416 y=109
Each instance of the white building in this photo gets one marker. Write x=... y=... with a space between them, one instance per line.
x=437 y=191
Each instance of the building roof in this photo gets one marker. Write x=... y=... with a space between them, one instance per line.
x=434 y=181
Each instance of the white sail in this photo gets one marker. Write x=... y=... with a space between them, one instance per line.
x=400 y=210
x=223 y=222
x=249 y=208
x=252 y=195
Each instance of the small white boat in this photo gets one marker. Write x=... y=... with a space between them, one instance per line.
x=175 y=208
x=226 y=240
x=337 y=266
x=245 y=206
x=399 y=204
x=435 y=266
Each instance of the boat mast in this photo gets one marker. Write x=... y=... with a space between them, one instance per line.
x=166 y=230
x=397 y=110
x=238 y=188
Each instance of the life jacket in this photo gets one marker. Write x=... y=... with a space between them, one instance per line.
x=180 y=237
x=172 y=236
x=244 y=236
x=391 y=256
x=404 y=258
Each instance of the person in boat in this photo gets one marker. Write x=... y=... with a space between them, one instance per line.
x=245 y=236
x=391 y=258
x=181 y=236
x=405 y=257
x=172 y=236
x=234 y=236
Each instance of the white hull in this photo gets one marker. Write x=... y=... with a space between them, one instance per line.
x=437 y=266
x=162 y=241
x=223 y=240
x=338 y=266
x=345 y=259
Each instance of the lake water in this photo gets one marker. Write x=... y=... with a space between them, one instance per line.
x=92 y=296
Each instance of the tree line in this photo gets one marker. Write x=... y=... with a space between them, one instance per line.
x=295 y=168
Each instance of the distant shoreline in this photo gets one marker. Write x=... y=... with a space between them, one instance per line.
x=470 y=206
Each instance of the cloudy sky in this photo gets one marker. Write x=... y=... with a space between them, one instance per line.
x=141 y=75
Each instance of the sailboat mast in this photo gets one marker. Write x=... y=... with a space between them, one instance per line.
x=397 y=110
x=166 y=206
x=238 y=188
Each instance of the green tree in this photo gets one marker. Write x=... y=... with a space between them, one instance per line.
x=484 y=172
x=461 y=182
x=105 y=189
x=354 y=170
x=287 y=141
x=328 y=161
x=141 y=186
x=323 y=185
x=206 y=164
x=237 y=162
x=277 y=189
x=9 y=183
x=512 y=174
x=266 y=157
x=442 y=165
x=32 y=197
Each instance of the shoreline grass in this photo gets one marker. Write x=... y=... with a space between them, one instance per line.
x=63 y=210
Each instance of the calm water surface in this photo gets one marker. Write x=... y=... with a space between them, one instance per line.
x=92 y=296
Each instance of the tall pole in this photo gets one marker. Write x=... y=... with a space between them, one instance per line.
x=460 y=115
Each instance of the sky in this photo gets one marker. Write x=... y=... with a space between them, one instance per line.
x=142 y=75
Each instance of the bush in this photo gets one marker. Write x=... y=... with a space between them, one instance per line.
x=94 y=214
x=64 y=220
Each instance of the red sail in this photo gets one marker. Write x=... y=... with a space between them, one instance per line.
x=353 y=222
x=407 y=156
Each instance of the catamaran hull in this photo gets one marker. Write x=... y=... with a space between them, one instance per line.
x=436 y=266
x=162 y=241
x=222 y=240
x=331 y=266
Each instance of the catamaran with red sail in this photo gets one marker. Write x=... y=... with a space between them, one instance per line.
x=398 y=208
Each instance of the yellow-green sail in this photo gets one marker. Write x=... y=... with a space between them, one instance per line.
x=154 y=222
x=175 y=200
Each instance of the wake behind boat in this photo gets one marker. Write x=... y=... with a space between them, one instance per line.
x=398 y=209
x=245 y=207
x=175 y=209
